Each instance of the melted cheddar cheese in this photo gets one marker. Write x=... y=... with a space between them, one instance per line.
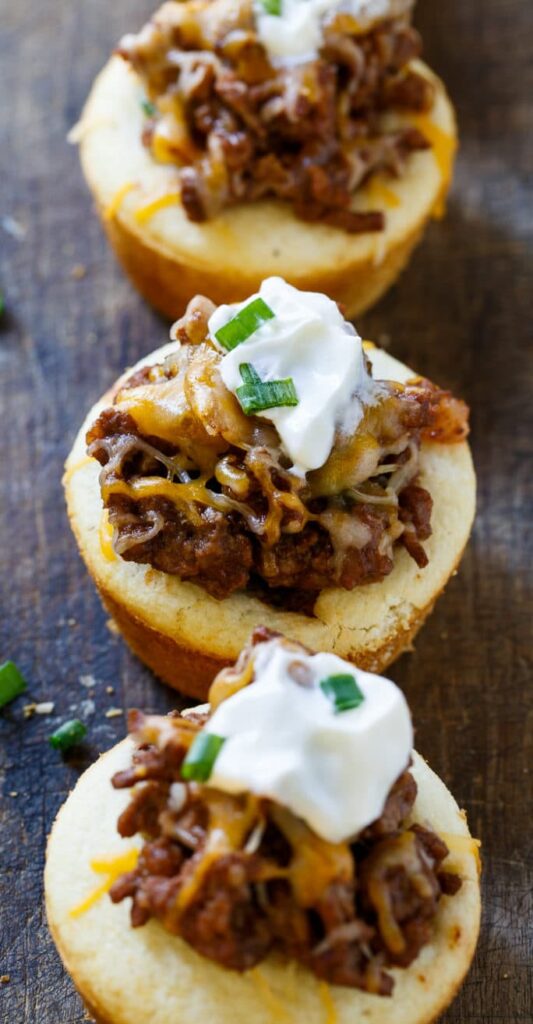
x=461 y=845
x=274 y=1005
x=443 y=146
x=106 y=538
x=229 y=824
x=330 y=1013
x=147 y=210
x=379 y=193
x=113 y=207
x=113 y=868
x=315 y=863
x=75 y=466
x=182 y=495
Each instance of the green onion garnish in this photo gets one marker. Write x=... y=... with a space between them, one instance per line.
x=255 y=394
x=245 y=323
x=342 y=691
x=272 y=6
x=11 y=682
x=148 y=107
x=201 y=756
x=249 y=374
x=68 y=735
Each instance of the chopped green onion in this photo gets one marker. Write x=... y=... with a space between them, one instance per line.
x=68 y=735
x=201 y=756
x=245 y=323
x=149 y=108
x=255 y=394
x=249 y=374
x=272 y=6
x=342 y=691
x=11 y=682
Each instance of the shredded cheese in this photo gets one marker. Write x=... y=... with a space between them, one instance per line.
x=183 y=495
x=113 y=207
x=145 y=212
x=443 y=146
x=330 y=1013
x=228 y=825
x=106 y=538
x=463 y=844
x=229 y=681
x=113 y=868
x=162 y=151
x=378 y=192
x=274 y=1004
x=216 y=847
x=70 y=470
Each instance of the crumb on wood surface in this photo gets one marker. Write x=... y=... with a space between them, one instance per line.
x=78 y=271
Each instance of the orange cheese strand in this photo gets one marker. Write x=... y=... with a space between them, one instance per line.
x=144 y=213
x=380 y=194
x=183 y=495
x=113 y=867
x=113 y=207
x=229 y=823
x=330 y=1013
x=443 y=146
x=463 y=844
x=216 y=847
x=106 y=538
x=75 y=466
x=275 y=1006
x=161 y=150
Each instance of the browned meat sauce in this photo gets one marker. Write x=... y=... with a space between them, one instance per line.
x=197 y=489
x=240 y=130
x=239 y=876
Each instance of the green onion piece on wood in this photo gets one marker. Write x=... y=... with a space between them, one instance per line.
x=272 y=6
x=201 y=756
x=11 y=683
x=68 y=735
x=148 y=107
x=245 y=323
x=342 y=691
x=256 y=395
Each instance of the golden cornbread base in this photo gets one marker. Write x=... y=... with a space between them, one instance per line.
x=185 y=636
x=169 y=258
x=147 y=976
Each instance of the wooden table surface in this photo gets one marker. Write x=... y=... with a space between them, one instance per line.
x=462 y=314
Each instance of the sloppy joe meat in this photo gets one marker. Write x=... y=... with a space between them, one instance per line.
x=204 y=492
x=373 y=901
x=239 y=129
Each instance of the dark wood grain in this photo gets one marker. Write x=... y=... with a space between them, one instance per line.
x=462 y=313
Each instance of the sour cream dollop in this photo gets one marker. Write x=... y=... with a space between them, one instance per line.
x=296 y=34
x=309 y=341
x=284 y=740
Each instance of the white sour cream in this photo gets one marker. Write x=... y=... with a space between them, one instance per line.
x=309 y=341
x=295 y=36
x=285 y=741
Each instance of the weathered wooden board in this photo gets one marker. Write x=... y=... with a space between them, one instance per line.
x=462 y=313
